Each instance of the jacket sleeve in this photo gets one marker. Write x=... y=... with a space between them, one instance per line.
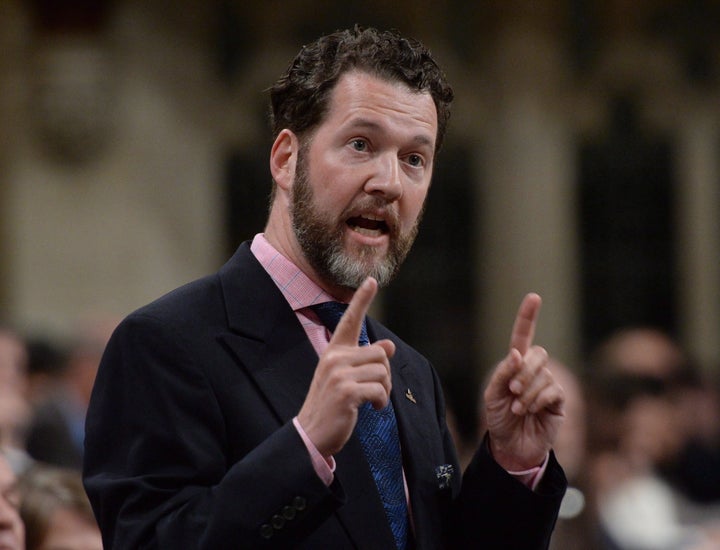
x=495 y=510
x=158 y=464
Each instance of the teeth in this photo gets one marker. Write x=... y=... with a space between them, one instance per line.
x=368 y=232
x=370 y=225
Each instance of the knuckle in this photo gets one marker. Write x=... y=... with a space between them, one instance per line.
x=336 y=377
x=331 y=355
x=540 y=354
x=545 y=376
x=344 y=391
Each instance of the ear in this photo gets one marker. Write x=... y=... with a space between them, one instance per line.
x=283 y=158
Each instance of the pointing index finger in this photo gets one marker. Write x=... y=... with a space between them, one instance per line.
x=523 y=330
x=348 y=329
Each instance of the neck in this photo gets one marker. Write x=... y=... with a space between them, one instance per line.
x=280 y=235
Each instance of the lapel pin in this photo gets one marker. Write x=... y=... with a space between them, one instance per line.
x=444 y=474
x=410 y=396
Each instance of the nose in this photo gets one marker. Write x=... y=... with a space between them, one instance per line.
x=386 y=179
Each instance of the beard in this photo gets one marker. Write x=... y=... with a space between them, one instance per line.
x=321 y=237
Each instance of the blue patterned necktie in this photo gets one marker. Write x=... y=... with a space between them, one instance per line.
x=378 y=434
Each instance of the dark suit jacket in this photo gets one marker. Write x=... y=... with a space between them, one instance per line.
x=190 y=444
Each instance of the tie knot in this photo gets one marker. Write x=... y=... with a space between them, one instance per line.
x=330 y=314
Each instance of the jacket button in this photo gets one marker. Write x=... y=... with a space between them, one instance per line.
x=278 y=522
x=299 y=503
x=288 y=512
x=266 y=531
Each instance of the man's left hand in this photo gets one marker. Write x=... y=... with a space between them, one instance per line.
x=524 y=405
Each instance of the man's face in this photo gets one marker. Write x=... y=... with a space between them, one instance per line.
x=362 y=179
x=12 y=529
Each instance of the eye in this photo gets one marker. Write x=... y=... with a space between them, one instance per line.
x=415 y=160
x=359 y=144
x=12 y=497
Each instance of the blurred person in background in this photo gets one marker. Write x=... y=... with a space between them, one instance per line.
x=645 y=411
x=57 y=428
x=577 y=522
x=695 y=470
x=12 y=529
x=46 y=360
x=14 y=404
x=14 y=420
x=56 y=511
x=13 y=360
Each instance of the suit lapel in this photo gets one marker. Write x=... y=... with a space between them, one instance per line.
x=265 y=336
x=282 y=375
x=267 y=340
x=414 y=410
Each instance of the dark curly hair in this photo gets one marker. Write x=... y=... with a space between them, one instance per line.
x=299 y=99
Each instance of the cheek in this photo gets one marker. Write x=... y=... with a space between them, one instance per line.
x=332 y=189
x=412 y=206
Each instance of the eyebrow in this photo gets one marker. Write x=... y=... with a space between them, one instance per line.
x=420 y=139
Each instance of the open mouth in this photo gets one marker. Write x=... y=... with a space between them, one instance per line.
x=368 y=225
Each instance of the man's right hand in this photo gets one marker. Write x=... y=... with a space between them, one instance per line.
x=346 y=376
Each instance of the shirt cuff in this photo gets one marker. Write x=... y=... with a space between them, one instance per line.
x=531 y=478
x=324 y=467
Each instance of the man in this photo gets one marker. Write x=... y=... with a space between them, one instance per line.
x=57 y=428
x=12 y=529
x=15 y=408
x=226 y=415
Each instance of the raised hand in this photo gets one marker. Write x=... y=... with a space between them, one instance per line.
x=524 y=405
x=346 y=376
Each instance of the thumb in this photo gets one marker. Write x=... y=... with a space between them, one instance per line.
x=499 y=384
x=388 y=346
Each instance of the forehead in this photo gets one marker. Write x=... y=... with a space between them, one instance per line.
x=361 y=94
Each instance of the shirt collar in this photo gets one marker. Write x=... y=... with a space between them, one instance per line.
x=299 y=290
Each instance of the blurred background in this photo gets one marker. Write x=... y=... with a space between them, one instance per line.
x=582 y=162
